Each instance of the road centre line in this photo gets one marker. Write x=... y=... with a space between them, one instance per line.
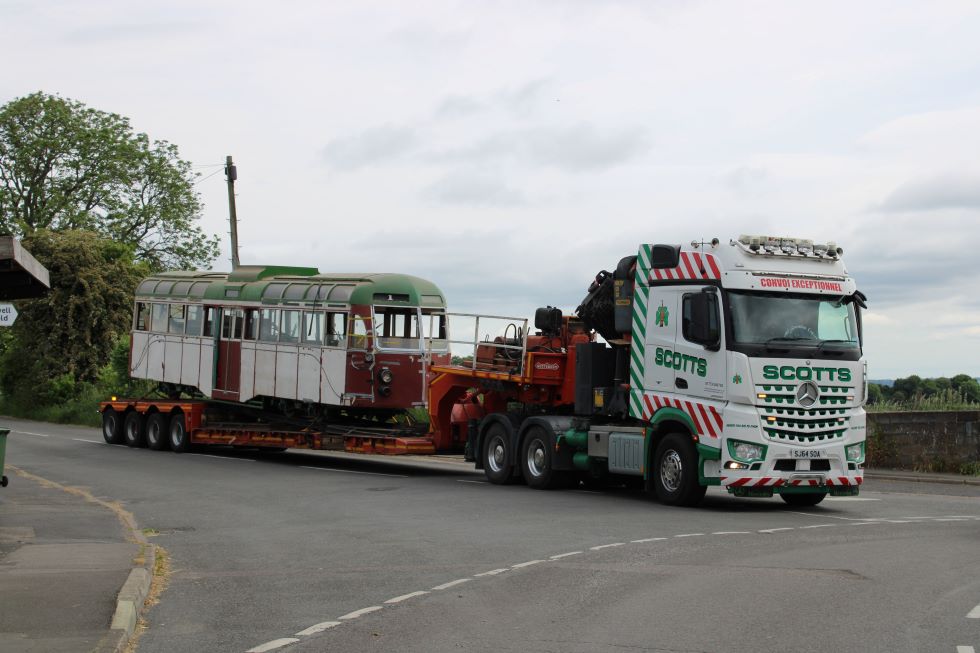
x=357 y=613
x=606 y=546
x=817 y=526
x=452 y=583
x=89 y=441
x=521 y=565
x=466 y=480
x=964 y=649
x=492 y=572
x=974 y=613
x=689 y=535
x=730 y=533
x=347 y=471
x=273 y=645
x=647 y=539
x=317 y=628
x=564 y=555
x=775 y=530
x=405 y=597
x=40 y=435
x=208 y=455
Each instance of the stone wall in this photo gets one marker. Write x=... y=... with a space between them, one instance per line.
x=926 y=441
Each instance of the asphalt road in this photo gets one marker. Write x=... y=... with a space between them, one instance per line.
x=329 y=552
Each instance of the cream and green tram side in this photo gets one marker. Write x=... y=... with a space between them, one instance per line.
x=290 y=337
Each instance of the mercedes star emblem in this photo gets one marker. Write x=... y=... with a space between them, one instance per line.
x=807 y=394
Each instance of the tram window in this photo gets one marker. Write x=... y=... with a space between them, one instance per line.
x=341 y=293
x=182 y=287
x=164 y=287
x=269 y=328
x=273 y=291
x=290 y=326
x=296 y=291
x=175 y=324
x=197 y=290
x=146 y=287
x=142 y=316
x=396 y=328
x=336 y=328
x=231 y=324
x=193 y=320
x=434 y=324
x=358 y=332
x=209 y=314
x=313 y=327
x=158 y=321
x=251 y=324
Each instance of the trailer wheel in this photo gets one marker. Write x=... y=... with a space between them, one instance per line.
x=497 y=455
x=803 y=500
x=112 y=426
x=536 y=462
x=134 y=429
x=675 y=475
x=156 y=432
x=180 y=440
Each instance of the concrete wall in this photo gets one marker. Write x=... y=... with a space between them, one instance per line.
x=927 y=441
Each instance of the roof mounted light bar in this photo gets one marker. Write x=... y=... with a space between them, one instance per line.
x=783 y=246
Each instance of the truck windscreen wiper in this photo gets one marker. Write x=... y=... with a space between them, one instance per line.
x=837 y=348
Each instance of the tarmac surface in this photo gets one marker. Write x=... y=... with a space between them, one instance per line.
x=65 y=556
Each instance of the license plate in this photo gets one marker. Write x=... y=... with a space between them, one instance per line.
x=805 y=453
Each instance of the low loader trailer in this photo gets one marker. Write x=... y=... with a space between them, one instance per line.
x=737 y=364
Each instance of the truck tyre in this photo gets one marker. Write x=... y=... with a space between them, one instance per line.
x=675 y=471
x=156 y=432
x=134 y=429
x=803 y=500
x=112 y=426
x=536 y=460
x=498 y=455
x=180 y=439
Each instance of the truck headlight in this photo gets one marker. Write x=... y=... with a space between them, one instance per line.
x=855 y=452
x=746 y=452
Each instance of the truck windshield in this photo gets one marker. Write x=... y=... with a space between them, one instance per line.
x=774 y=323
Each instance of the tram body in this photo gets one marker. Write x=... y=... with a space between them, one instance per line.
x=290 y=337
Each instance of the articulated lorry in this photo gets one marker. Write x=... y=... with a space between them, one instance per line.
x=735 y=364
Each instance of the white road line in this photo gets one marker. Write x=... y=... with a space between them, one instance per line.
x=851 y=499
x=521 y=565
x=818 y=526
x=964 y=649
x=648 y=539
x=357 y=613
x=774 y=530
x=865 y=523
x=492 y=572
x=689 y=535
x=464 y=480
x=274 y=644
x=564 y=555
x=452 y=583
x=89 y=441
x=208 y=455
x=349 y=471
x=40 y=435
x=405 y=597
x=586 y=491
x=606 y=546
x=949 y=519
x=730 y=533
x=974 y=613
x=318 y=628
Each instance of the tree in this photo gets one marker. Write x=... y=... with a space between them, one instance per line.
x=65 y=166
x=66 y=336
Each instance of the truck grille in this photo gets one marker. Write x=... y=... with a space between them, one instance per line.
x=783 y=419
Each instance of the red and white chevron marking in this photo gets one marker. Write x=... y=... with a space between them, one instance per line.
x=707 y=420
x=693 y=265
x=772 y=481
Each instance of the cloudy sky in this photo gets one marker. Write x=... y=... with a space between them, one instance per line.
x=509 y=150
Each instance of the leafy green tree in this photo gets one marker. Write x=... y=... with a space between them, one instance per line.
x=876 y=393
x=66 y=166
x=65 y=338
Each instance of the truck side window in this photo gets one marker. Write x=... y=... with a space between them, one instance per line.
x=699 y=318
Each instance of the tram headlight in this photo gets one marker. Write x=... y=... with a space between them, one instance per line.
x=385 y=376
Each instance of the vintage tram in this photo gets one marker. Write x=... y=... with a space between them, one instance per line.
x=290 y=338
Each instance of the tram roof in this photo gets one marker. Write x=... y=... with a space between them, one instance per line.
x=292 y=285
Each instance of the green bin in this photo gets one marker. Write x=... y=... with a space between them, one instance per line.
x=3 y=451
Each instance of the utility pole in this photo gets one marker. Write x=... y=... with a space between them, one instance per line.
x=231 y=173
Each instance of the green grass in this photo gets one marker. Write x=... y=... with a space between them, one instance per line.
x=944 y=401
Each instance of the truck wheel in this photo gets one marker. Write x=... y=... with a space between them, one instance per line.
x=536 y=459
x=803 y=500
x=675 y=479
x=112 y=426
x=156 y=431
x=497 y=455
x=180 y=439
x=134 y=429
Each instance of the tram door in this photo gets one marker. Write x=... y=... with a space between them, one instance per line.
x=228 y=363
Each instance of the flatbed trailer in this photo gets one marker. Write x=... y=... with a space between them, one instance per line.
x=179 y=424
